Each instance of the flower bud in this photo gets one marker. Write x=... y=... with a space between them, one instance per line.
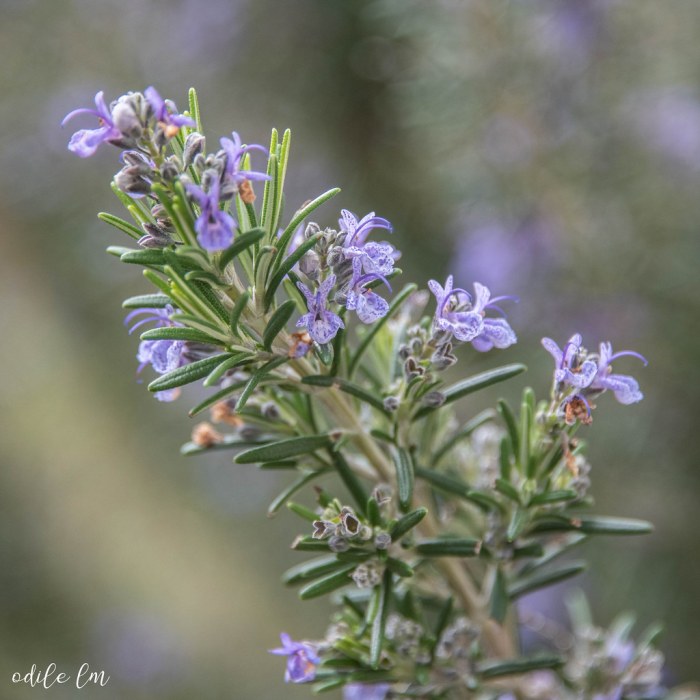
x=382 y=540
x=440 y=337
x=126 y=119
x=310 y=265
x=312 y=228
x=130 y=180
x=158 y=211
x=338 y=544
x=194 y=146
x=155 y=237
x=170 y=170
x=209 y=177
x=391 y=403
x=335 y=257
x=270 y=410
x=136 y=158
x=434 y=399
x=248 y=432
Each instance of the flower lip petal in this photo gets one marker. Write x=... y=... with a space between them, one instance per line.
x=85 y=142
x=581 y=378
x=467 y=326
x=625 y=388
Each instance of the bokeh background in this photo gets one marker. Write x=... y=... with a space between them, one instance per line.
x=549 y=148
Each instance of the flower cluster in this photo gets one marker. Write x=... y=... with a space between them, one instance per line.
x=580 y=377
x=352 y=267
x=133 y=121
x=143 y=124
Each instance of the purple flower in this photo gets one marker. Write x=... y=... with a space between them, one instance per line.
x=369 y=306
x=572 y=367
x=161 y=317
x=375 y=257
x=365 y=691
x=163 y=355
x=589 y=375
x=86 y=141
x=235 y=151
x=214 y=227
x=301 y=660
x=620 y=653
x=592 y=375
x=625 y=388
x=321 y=323
x=166 y=113
x=465 y=318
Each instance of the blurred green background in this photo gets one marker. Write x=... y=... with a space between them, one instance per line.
x=549 y=148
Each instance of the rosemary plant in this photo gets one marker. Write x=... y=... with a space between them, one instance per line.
x=427 y=530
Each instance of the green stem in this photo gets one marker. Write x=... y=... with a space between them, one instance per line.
x=497 y=636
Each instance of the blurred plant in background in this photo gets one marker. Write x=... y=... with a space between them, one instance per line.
x=568 y=129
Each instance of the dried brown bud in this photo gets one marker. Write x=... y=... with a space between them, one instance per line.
x=577 y=409
x=300 y=344
x=246 y=193
x=222 y=412
x=170 y=130
x=205 y=435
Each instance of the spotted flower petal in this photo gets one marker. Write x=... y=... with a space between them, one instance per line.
x=496 y=333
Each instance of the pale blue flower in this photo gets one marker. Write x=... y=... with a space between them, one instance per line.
x=572 y=367
x=214 y=226
x=165 y=112
x=321 y=323
x=464 y=316
x=590 y=374
x=163 y=355
x=86 y=141
x=375 y=257
x=369 y=306
x=235 y=152
x=301 y=660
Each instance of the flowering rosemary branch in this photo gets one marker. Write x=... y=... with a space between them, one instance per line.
x=434 y=529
